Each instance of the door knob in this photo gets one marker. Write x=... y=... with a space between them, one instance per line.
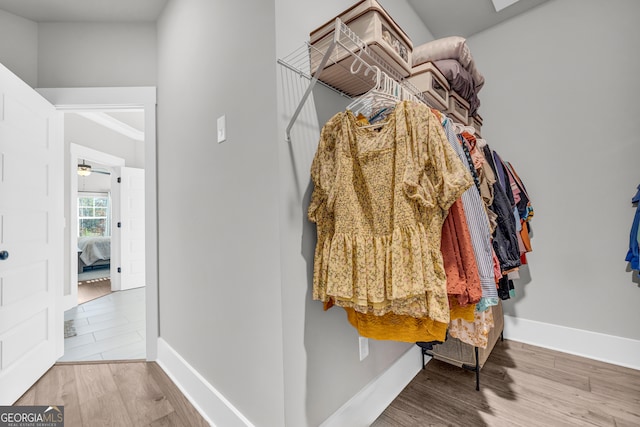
x=4 y=255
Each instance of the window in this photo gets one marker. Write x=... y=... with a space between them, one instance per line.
x=94 y=216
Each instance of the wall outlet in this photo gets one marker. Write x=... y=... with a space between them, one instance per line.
x=364 y=347
x=222 y=128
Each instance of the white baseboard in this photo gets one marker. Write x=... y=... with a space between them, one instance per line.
x=363 y=408
x=592 y=345
x=208 y=401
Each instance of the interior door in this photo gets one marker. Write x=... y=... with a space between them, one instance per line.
x=132 y=250
x=31 y=233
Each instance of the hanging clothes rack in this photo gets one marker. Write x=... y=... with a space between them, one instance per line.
x=357 y=72
x=310 y=61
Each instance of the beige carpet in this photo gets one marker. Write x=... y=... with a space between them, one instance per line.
x=91 y=289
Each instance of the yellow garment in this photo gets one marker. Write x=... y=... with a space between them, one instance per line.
x=379 y=202
x=396 y=327
x=458 y=311
x=362 y=120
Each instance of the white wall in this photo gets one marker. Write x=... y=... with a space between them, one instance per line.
x=220 y=306
x=96 y=54
x=561 y=102
x=19 y=46
x=321 y=354
x=96 y=182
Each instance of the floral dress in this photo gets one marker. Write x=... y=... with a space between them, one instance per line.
x=379 y=202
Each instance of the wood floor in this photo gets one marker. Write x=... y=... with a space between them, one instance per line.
x=111 y=327
x=92 y=289
x=520 y=385
x=121 y=394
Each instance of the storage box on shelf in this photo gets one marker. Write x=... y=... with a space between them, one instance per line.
x=458 y=108
x=377 y=31
x=476 y=122
x=432 y=84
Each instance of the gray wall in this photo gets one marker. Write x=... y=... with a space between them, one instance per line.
x=405 y=16
x=220 y=306
x=79 y=54
x=561 y=102
x=96 y=54
x=323 y=370
x=19 y=46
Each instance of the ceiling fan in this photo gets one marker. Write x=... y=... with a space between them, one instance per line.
x=86 y=170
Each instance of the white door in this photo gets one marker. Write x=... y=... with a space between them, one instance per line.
x=132 y=251
x=31 y=233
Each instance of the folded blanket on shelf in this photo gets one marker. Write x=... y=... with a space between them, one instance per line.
x=460 y=81
x=453 y=47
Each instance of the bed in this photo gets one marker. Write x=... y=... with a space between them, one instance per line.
x=93 y=252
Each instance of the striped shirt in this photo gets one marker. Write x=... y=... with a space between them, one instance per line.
x=478 y=224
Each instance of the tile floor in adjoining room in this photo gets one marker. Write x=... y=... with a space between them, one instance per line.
x=108 y=328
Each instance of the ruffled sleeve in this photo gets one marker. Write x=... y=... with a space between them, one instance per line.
x=442 y=177
x=324 y=169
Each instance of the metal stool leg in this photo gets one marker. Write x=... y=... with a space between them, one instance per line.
x=477 y=370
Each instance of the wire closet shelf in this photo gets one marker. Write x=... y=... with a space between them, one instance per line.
x=350 y=65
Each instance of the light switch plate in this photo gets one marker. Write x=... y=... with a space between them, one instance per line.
x=222 y=128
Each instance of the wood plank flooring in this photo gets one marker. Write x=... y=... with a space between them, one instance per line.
x=90 y=290
x=520 y=385
x=111 y=327
x=114 y=394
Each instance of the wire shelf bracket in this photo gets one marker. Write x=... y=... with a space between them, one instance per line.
x=312 y=84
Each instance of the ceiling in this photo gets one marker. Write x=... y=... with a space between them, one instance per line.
x=466 y=17
x=127 y=123
x=85 y=10
x=443 y=18
x=135 y=119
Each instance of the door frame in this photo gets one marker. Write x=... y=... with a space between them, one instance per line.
x=104 y=98
x=77 y=152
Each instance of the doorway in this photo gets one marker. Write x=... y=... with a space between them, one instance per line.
x=93 y=241
x=106 y=322
x=91 y=100
x=94 y=217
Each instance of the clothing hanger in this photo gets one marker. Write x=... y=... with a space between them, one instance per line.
x=458 y=128
x=363 y=103
x=383 y=96
x=470 y=129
